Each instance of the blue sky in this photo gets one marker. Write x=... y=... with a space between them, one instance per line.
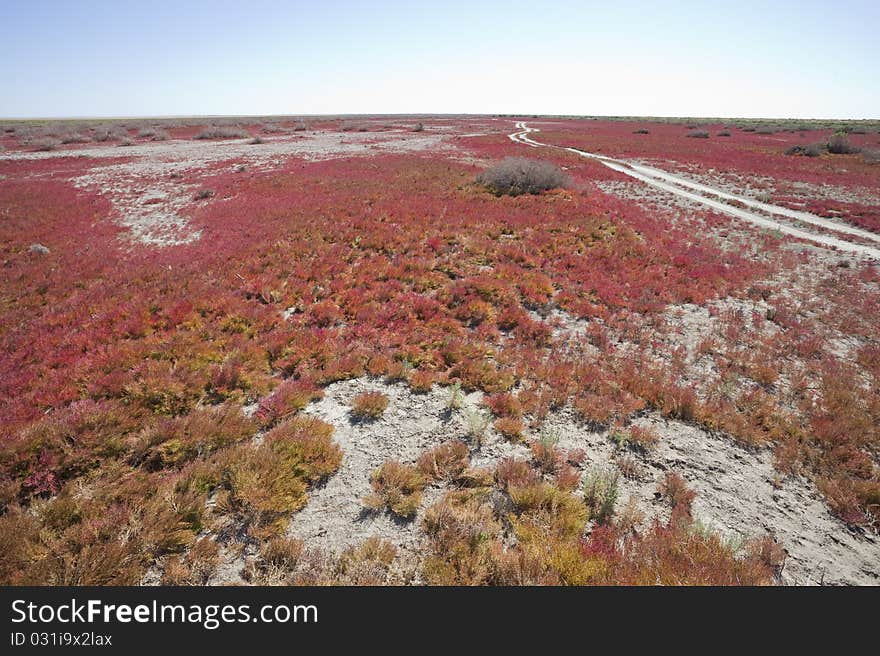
x=759 y=59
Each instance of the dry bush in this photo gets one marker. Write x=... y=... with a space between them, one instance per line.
x=306 y=443
x=173 y=442
x=463 y=531
x=840 y=145
x=445 y=462
x=45 y=145
x=545 y=452
x=288 y=398
x=477 y=423
x=514 y=176
x=511 y=429
x=723 y=133
x=366 y=564
x=504 y=404
x=629 y=467
x=544 y=511
x=567 y=477
x=810 y=150
x=369 y=406
x=421 y=381
x=678 y=554
x=871 y=156
x=641 y=131
x=268 y=482
x=104 y=133
x=675 y=491
x=222 y=132
x=196 y=567
x=644 y=438
x=397 y=487
x=280 y=554
x=511 y=473
x=698 y=134
x=476 y=477
x=73 y=138
x=601 y=489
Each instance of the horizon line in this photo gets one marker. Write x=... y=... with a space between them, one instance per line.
x=104 y=117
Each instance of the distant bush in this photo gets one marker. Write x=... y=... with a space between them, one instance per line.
x=221 y=132
x=840 y=145
x=871 y=156
x=810 y=150
x=203 y=194
x=641 y=131
x=724 y=133
x=45 y=145
x=518 y=175
x=419 y=127
x=74 y=138
x=765 y=129
x=748 y=129
x=108 y=133
x=257 y=140
x=698 y=134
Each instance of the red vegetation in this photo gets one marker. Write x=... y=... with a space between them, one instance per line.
x=126 y=367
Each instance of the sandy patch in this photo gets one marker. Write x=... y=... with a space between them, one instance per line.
x=154 y=207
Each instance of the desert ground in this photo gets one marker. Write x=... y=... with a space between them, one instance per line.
x=324 y=350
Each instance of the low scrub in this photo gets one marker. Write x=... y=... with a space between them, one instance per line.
x=222 y=133
x=444 y=462
x=810 y=150
x=398 y=488
x=601 y=489
x=839 y=144
x=369 y=406
x=514 y=176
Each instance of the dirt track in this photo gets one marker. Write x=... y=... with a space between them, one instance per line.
x=715 y=199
